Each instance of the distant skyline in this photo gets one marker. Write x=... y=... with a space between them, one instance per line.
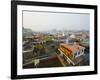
x=46 y=21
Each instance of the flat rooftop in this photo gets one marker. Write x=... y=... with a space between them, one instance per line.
x=50 y=62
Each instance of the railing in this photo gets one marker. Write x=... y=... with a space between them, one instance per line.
x=67 y=58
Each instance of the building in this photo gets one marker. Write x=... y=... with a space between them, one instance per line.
x=71 y=53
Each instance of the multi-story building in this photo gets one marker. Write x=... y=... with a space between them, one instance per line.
x=71 y=54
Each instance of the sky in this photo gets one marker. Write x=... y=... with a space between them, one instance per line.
x=46 y=21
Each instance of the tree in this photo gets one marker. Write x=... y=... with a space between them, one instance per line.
x=39 y=49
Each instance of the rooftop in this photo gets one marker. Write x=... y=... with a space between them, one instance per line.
x=73 y=47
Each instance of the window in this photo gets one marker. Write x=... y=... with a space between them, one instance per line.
x=75 y=54
x=78 y=53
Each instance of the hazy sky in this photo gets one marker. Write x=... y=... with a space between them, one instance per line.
x=42 y=21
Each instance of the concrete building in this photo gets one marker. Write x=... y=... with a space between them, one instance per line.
x=71 y=53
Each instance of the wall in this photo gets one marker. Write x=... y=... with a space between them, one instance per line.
x=5 y=40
